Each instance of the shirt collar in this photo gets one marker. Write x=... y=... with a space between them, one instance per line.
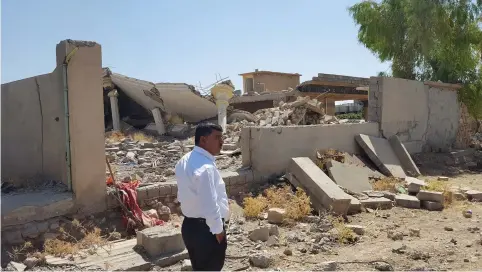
x=203 y=152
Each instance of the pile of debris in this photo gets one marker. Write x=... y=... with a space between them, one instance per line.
x=477 y=141
x=154 y=161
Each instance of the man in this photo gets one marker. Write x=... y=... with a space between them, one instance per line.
x=204 y=203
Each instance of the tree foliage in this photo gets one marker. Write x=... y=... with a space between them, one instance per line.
x=437 y=40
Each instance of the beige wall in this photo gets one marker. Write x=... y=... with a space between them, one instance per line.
x=423 y=117
x=272 y=82
x=86 y=124
x=33 y=130
x=269 y=150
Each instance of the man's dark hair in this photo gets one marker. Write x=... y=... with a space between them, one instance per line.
x=205 y=129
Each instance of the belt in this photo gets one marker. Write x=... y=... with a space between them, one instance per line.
x=202 y=220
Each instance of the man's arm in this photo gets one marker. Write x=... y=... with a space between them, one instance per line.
x=208 y=197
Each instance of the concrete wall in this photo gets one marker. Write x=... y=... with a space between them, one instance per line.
x=425 y=117
x=269 y=150
x=86 y=111
x=33 y=130
x=274 y=82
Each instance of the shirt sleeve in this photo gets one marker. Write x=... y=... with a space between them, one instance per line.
x=208 y=198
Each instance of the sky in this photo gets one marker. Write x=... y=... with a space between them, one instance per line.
x=188 y=41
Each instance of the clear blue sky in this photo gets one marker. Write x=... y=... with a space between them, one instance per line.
x=187 y=41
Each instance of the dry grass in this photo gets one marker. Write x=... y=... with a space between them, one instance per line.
x=440 y=186
x=18 y=253
x=141 y=137
x=296 y=205
x=344 y=234
x=116 y=137
x=389 y=184
x=69 y=245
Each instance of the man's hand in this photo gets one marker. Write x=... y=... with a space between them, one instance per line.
x=220 y=237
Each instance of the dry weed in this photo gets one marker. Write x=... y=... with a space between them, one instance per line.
x=18 y=252
x=389 y=184
x=141 y=137
x=115 y=136
x=440 y=186
x=69 y=245
x=344 y=234
x=296 y=205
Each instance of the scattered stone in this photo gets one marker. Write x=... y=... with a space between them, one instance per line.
x=430 y=196
x=443 y=178
x=272 y=241
x=399 y=248
x=260 y=234
x=274 y=230
x=115 y=236
x=407 y=201
x=414 y=232
x=395 y=235
x=288 y=252
x=261 y=260
x=276 y=215
x=360 y=230
x=186 y=265
x=326 y=266
x=432 y=206
x=383 y=266
x=447 y=228
x=31 y=262
x=14 y=266
x=419 y=255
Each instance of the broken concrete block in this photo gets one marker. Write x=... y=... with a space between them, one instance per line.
x=259 y=234
x=473 y=195
x=276 y=215
x=414 y=184
x=320 y=185
x=381 y=153
x=377 y=203
x=430 y=196
x=348 y=176
x=432 y=206
x=160 y=240
x=405 y=159
x=407 y=201
x=443 y=178
x=355 y=205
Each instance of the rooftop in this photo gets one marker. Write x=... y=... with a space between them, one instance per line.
x=257 y=72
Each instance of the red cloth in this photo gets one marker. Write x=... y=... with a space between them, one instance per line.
x=129 y=198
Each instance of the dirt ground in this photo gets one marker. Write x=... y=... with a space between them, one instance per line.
x=447 y=240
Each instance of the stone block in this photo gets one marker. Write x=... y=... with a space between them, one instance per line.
x=405 y=159
x=407 y=201
x=381 y=153
x=276 y=215
x=379 y=203
x=165 y=190
x=432 y=206
x=320 y=185
x=473 y=195
x=430 y=196
x=160 y=240
x=414 y=184
x=348 y=176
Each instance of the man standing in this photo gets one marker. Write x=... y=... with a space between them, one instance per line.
x=204 y=203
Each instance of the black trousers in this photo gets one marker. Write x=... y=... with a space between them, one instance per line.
x=205 y=252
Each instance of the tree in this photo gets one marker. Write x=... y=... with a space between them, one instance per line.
x=438 y=40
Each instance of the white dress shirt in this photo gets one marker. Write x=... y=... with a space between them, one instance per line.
x=201 y=190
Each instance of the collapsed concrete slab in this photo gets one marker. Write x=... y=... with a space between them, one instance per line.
x=320 y=185
x=381 y=153
x=348 y=176
x=405 y=159
x=160 y=240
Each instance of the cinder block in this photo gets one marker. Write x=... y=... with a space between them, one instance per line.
x=377 y=203
x=320 y=185
x=432 y=206
x=159 y=240
x=407 y=201
x=430 y=196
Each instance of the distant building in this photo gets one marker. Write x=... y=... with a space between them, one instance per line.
x=267 y=81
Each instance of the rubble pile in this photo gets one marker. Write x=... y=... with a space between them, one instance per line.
x=477 y=141
x=154 y=161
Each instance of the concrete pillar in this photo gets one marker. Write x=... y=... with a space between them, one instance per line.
x=114 y=106
x=86 y=123
x=161 y=129
x=222 y=93
x=365 y=110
